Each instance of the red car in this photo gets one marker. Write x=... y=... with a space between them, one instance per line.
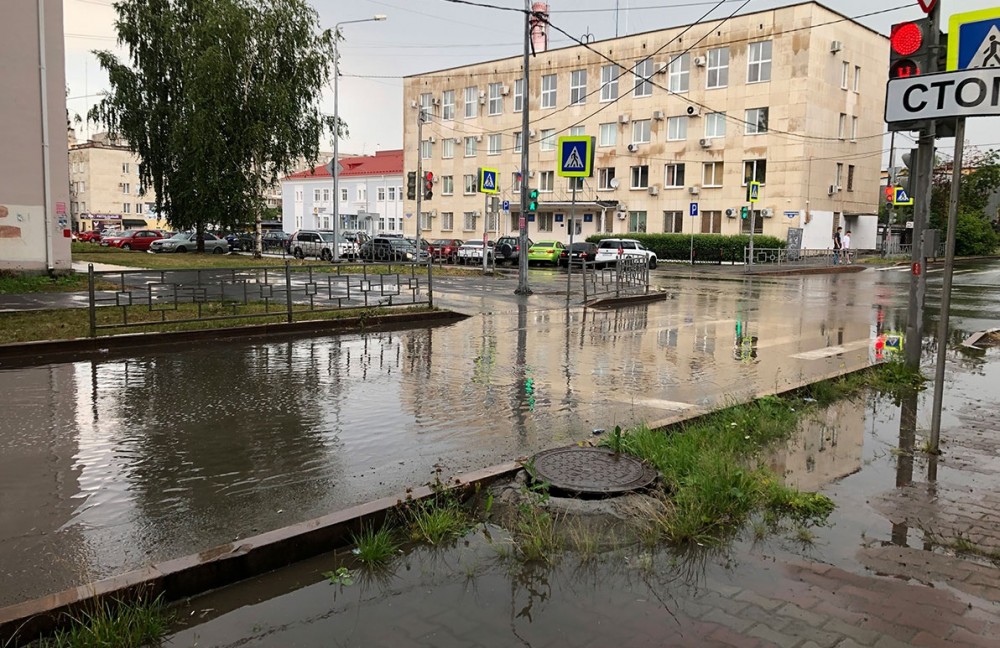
x=90 y=236
x=445 y=250
x=132 y=239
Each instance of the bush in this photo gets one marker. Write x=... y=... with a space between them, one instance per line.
x=974 y=236
x=707 y=247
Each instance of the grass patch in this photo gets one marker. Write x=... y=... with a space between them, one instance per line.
x=891 y=378
x=74 y=323
x=535 y=536
x=438 y=520
x=375 y=548
x=14 y=283
x=114 y=624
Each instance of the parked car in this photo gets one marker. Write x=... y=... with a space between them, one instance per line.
x=317 y=243
x=609 y=251
x=273 y=240
x=445 y=250
x=545 y=252
x=90 y=236
x=508 y=249
x=241 y=241
x=132 y=239
x=471 y=252
x=386 y=248
x=188 y=242
x=578 y=253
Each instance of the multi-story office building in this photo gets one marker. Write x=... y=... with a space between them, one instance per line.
x=371 y=195
x=790 y=97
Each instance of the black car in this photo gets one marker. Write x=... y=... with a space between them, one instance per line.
x=275 y=240
x=385 y=248
x=578 y=252
x=508 y=249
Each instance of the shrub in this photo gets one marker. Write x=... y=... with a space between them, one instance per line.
x=974 y=236
x=707 y=247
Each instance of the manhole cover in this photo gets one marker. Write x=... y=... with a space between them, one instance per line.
x=591 y=471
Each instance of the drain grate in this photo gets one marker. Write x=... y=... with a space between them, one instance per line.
x=592 y=471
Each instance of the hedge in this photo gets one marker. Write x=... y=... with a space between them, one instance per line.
x=707 y=247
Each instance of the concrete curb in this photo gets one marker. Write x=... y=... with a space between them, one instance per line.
x=219 y=566
x=615 y=302
x=46 y=351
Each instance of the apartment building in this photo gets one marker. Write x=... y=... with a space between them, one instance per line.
x=371 y=195
x=104 y=186
x=790 y=97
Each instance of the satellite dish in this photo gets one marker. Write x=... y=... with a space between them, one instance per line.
x=614 y=183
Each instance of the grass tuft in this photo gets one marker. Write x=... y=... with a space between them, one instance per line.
x=535 y=536
x=114 y=624
x=374 y=548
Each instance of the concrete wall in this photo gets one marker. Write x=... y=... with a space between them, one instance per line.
x=23 y=214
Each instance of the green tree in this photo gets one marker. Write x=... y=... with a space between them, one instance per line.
x=974 y=234
x=217 y=97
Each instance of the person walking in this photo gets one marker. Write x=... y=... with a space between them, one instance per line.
x=837 y=246
x=846 y=247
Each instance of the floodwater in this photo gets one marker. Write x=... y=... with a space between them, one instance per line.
x=112 y=464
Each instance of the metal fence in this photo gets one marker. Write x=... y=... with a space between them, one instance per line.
x=143 y=298
x=628 y=276
x=798 y=258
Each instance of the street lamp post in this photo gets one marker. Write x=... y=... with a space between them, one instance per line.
x=335 y=164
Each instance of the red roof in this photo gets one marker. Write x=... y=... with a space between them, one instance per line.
x=382 y=163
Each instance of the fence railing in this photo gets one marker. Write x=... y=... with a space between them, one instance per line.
x=143 y=298
x=783 y=257
x=625 y=277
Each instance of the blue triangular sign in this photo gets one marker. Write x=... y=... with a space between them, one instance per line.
x=901 y=196
x=489 y=182
x=573 y=160
x=753 y=191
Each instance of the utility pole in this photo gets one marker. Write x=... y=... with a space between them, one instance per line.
x=890 y=204
x=522 y=255
x=420 y=170
x=921 y=212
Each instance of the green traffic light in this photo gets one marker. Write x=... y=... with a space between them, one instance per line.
x=533 y=200
x=743 y=213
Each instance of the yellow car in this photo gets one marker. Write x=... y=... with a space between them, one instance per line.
x=545 y=252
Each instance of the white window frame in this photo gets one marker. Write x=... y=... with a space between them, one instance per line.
x=679 y=73
x=643 y=72
x=609 y=82
x=550 y=88
x=471 y=102
x=758 y=169
x=518 y=95
x=548 y=140
x=427 y=102
x=447 y=148
x=677 y=128
x=715 y=125
x=578 y=87
x=494 y=144
x=718 y=171
x=577 y=131
x=469 y=221
x=496 y=99
x=380 y=194
x=842 y=126
x=759 y=56
x=518 y=141
x=546 y=181
x=717 y=65
x=676 y=219
x=391 y=194
x=343 y=194
x=544 y=222
x=636 y=180
x=638 y=221
x=516 y=179
x=426 y=150
x=604 y=177
x=673 y=175
x=753 y=121
x=448 y=105
x=608 y=134
x=447 y=221
x=854 y=129
x=471 y=148
x=845 y=73
x=857 y=78
x=642 y=131
x=447 y=185
x=469 y=184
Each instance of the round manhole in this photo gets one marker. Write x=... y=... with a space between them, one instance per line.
x=591 y=471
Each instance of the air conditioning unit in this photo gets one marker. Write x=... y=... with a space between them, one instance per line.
x=479 y=138
x=482 y=94
x=653 y=190
x=836 y=46
x=413 y=103
x=458 y=140
x=695 y=190
x=731 y=213
x=621 y=215
x=705 y=142
x=531 y=132
x=661 y=68
x=632 y=148
x=767 y=213
x=623 y=119
x=482 y=101
x=531 y=174
x=431 y=139
x=832 y=190
x=658 y=115
x=700 y=61
x=694 y=111
x=505 y=90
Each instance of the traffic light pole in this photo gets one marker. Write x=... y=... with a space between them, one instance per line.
x=522 y=256
x=420 y=169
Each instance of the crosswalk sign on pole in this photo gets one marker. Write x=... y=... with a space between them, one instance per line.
x=576 y=156
x=974 y=40
x=901 y=197
x=488 y=181
x=753 y=191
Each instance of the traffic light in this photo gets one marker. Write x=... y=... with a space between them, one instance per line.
x=909 y=49
x=533 y=200
x=411 y=185
x=428 y=185
x=744 y=212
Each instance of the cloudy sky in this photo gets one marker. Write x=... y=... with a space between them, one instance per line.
x=424 y=35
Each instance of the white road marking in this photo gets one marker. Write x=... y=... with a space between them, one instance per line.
x=827 y=352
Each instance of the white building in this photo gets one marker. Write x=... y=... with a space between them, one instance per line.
x=371 y=195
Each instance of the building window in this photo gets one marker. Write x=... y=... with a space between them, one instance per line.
x=362 y=194
x=548 y=142
x=673 y=222
x=850 y=177
x=125 y=188
x=326 y=195
x=493 y=145
x=677 y=128
x=425 y=150
x=679 y=73
x=380 y=194
x=712 y=175
x=343 y=194
x=546 y=181
x=298 y=195
x=609 y=82
x=447 y=185
x=641 y=131
x=392 y=194
x=845 y=72
x=842 y=126
x=492 y=222
x=549 y=91
x=673 y=175
x=470 y=184
x=715 y=125
x=718 y=67
x=471 y=103
x=637 y=221
x=447 y=221
x=857 y=78
x=854 y=129
x=469 y=221
x=643 y=72
x=515 y=181
x=448 y=104
x=755 y=170
x=577 y=87
x=425 y=220
x=125 y=167
x=711 y=222
x=604 y=178
x=640 y=176
x=574 y=182
x=518 y=142
x=757 y=219
x=756 y=121
x=608 y=135
x=316 y=195
x=427 y=103
x=447 y=148
x=840 y=175
x=126 y=208
x=518 y=95
x=470 y=147
x=496 y=99
x=544 y=222
x=759 y=62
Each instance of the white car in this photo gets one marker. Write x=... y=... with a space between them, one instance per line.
x=610 y=250
x=472 y=252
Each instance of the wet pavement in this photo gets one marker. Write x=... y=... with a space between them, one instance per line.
x=109 y=465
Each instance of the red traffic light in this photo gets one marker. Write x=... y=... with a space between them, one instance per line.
x=906 y=38
x=904 y=68
x=429 y=177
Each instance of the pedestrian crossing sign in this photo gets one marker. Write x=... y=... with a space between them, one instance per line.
x=974 y=40
x=902 y=197
x=576 y=156
x=488 y=181
x=753 y=191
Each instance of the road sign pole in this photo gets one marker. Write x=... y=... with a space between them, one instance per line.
x=569 y=253
x=486 y=226
x=522 y=256
x=420 y=169
x=890 y=206
x=949 y=265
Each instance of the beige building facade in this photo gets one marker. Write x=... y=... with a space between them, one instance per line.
x=34 y=189
x=790 y=97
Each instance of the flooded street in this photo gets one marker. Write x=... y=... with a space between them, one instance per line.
x=109 y=465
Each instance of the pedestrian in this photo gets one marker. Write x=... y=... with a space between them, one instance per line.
x=837 y=246
x=846 y=247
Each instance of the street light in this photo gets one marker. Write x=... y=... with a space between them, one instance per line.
x=336 y=128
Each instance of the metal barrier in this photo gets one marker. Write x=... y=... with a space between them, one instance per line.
x=157 y=297
x=625 y=277
x=798 y=258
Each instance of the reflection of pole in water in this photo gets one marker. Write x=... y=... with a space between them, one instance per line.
x=521 y=400
x=904 y=458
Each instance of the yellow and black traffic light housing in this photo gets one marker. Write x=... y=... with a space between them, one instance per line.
x=533 y=200
x=411 y=185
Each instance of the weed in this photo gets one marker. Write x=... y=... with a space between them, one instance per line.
x=375 y=547
x=342 y=577
x=436 y=522
x=584 y=542
x=535 y=536
x=805 y=535
x=114 y=623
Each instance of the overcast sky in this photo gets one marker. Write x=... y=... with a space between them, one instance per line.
x=425 y=35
